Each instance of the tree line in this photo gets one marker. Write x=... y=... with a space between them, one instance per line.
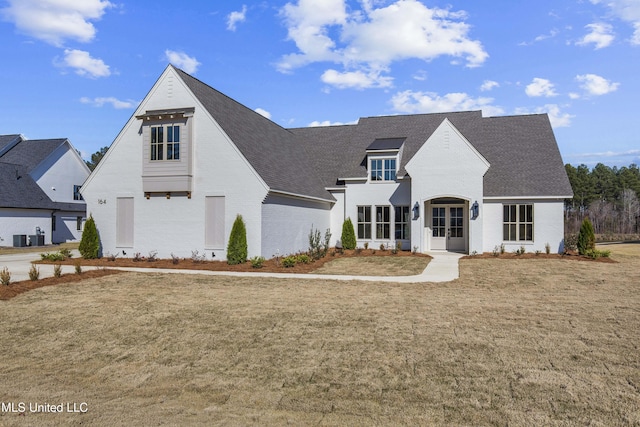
x=608 y=196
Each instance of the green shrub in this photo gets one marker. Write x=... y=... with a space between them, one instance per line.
x=57 y=270
x=52 y=256
x=34 y=273
x=595 y=253
x=5 y=277
x=303 y=259
x=257 y=262
x=90 y=244
x=237 y=247
x=348 y=235
x=66 y=253
x=78 y=267
x=318 y=249
x=586 y=237
x=289 y=261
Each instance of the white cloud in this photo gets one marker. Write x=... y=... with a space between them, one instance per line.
x=356 y=79
x=234 y=17
x=628 y=153
x=557 y=118
x=84 y=64
x=330 y=123
x=263 y=113
x=626 y=10
x=428 y=102
x=368 y=40
x=183 y=61
x=55 y=21
x=489 y=85
x=601 y=35
x=596 y=85
x=114 y=102
x=540 y=87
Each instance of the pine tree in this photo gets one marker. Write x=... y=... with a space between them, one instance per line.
x=348 y=235
x=90 y=243
x=237 y=246
x=586 y=238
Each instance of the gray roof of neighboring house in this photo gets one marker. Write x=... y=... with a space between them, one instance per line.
x=19 y=189
x=31 y=152
x=6 y=141
x=522 y=150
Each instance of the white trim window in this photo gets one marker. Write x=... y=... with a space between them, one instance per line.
x=517 y=223
x=165 y=148
x=382 y=169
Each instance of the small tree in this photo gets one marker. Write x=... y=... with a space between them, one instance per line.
x=237 y=246
x=348 y=235
x=586 y=238
x=90 y=243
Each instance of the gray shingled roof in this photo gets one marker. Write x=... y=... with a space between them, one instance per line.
x=274 y=152
x=31 y=152
x=7 y=140
x=522 y=150
x=19 y=190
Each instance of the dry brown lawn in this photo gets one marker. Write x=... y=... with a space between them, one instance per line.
x=512 y=342
x=375 y=266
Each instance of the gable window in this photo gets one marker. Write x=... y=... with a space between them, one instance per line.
x=402 y=229
x=383 y=223
x=364 y=222
x=165 y=142
x=383 y=169
x=517 y=222
x=76 y=192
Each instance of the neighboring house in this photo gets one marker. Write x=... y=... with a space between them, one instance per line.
x=40 y=191
x=190 y=159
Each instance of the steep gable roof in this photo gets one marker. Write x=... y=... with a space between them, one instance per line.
x=276 y=154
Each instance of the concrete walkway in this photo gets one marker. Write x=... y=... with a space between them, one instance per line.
x=442 y=268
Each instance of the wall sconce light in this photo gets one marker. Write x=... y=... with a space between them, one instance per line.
x=416 y=211
x=475 y=210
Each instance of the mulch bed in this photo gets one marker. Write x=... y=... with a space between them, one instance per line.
x=574 y=256
x=273 y=265
x=16 y=288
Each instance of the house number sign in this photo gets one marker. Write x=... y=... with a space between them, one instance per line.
x=102 y=201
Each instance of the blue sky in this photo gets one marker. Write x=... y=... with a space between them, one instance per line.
x=78 y=69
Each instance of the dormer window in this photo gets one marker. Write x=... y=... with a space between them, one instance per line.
x=383 y=169
x=384 y=155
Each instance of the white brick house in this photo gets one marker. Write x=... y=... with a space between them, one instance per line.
x=190 y=159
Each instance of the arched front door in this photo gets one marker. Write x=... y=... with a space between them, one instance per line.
x=447 y=224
